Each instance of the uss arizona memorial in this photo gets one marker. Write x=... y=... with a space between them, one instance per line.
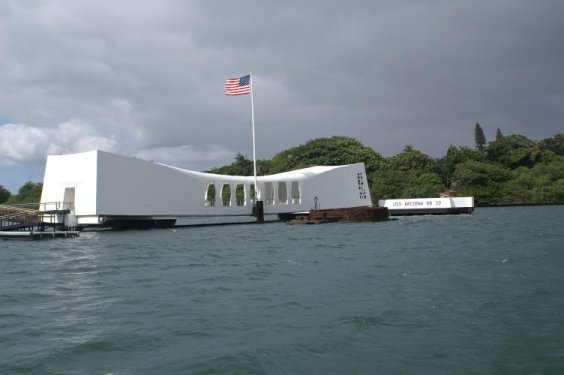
x=99 y=188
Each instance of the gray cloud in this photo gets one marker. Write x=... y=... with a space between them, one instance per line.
x=146 y=78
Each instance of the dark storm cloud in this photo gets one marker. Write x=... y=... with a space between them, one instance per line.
x=146 y=78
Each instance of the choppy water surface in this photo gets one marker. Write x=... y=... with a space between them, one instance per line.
x=468 y=294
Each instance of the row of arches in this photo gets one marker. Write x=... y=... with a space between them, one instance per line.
x=228 y=194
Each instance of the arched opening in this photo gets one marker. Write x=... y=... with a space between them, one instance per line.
x=296 y=196
x=226 y=195
x=68 y=200
x=209 y=199
x=240 y=194
x=269 y=193
x=282 y=193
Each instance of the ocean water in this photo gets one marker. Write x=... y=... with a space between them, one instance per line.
x=461 y=294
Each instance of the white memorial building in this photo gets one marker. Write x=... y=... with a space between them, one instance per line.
x=98 y=188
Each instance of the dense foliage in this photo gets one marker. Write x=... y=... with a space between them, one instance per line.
x=326 y=151
x=4 y=194
x=30 y=192
x=410 y=174
x=509 y=170
x=243 y=167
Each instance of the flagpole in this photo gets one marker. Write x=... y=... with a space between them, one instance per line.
x=254 y=146
x=259 y=208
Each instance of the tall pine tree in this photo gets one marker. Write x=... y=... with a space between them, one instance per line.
x=498 y=135
x=479 y=137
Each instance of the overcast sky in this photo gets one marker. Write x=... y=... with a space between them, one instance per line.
x=145 y=78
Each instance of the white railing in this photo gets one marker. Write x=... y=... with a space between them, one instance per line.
x=56 y=206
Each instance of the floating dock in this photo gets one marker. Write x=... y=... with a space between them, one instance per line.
x=37 y=235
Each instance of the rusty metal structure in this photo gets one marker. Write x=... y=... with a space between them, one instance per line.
x=341 y=215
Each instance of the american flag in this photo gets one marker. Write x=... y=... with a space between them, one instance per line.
x=238 y=86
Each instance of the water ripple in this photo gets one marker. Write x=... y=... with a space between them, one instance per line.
x=426 y=294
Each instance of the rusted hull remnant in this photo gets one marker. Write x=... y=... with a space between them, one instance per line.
x=345 y=215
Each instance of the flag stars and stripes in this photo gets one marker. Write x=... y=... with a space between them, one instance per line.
x=238 y=86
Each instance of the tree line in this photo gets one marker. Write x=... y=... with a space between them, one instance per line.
x=30 y=192
x=509 y=170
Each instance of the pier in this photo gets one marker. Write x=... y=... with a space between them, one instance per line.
x=37 y=235
x=23 y=222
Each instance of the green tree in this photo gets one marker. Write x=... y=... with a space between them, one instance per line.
x=430 y=185
x=542 y=184
x=484 y=181
x=4 y=194
x=326 y=151
x=498 y=134
x=412 y=160
x=409 y=174
x=395 y=184
x=240 y=167
x=479 y=137
x=515 y=151
x=454 y=156
x=510 y=170
x=30 y=192
x=519 y=190
x=548 y=182
x=389 y=183
x=554 y=144
x=263 y=167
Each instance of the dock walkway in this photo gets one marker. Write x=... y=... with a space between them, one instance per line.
x=37 y=235
x=22 y=222
x=17 y=217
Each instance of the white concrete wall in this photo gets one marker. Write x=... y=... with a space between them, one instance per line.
x=128 y=186
x=337 y=187
x=112 y=185
x=67 y=171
